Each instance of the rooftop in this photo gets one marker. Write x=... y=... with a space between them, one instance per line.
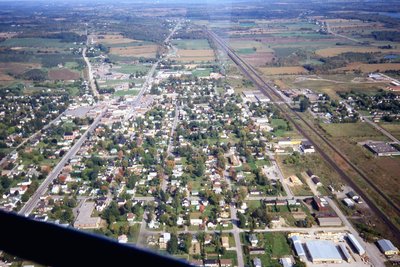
x=323 y=250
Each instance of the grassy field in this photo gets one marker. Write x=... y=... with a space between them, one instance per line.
x=126 y=92
x=283 y=70
x=246 y=51
x=334 y=51
x=128 y=68
x=192 y=44
x=393 y=128
x=202 y=72
x=356 y=130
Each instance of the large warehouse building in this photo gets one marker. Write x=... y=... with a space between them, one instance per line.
x=322 y=251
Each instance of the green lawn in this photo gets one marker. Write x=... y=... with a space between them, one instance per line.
x=202 y=72
x=358 y=129
x=191 y=44
x=127 y=92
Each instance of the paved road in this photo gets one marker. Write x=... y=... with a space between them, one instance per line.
x=236 y=229
x=372 y=254
x=31 y=137
x=382 y=130
x=34 y=200
x=90 y=74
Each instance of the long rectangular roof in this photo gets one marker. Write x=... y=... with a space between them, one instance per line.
x=323 y=250
x=356 y=244
x=386 y=245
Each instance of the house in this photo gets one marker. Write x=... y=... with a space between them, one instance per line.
x=196 y=221
x=130 y=217
x=348 y=202
x=225 y=262
x=253 y=240
x=307 y=147
x=316 y=181
x=211 y=263
x=225 y=241
x=257 y=262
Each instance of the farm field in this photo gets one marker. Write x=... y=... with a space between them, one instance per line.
x=196 y=50
x=36 y=42
x=135 y=51
x=63 y=74
x=111 y=39
x=334 y=51
x=200 y=44
x=195 y=55
x=368 y=68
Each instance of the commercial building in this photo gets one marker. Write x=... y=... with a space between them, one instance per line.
x=356 y=245
x=345 y=253
x=387 y=247
x=329 y=221
x=298 y=247
x=322 y=251
x=382 y=149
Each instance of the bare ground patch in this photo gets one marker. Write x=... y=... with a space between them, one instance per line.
x=63 y=74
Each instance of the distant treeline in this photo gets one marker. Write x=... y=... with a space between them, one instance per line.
x=392 y=36
x=341 y=60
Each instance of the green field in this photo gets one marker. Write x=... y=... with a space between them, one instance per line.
x=36 y=42
x=191 y=44
x=128 y=68
x=246 y=51
x=125 y=93
x=202 y=72
x=358 y=129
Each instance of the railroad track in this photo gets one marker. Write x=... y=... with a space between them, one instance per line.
x=272 y=93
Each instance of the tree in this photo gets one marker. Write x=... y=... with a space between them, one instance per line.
x=304 y=104
x=242 y=220
x=187 y=242
x=172 y=245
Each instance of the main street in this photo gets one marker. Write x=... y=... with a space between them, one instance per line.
x=35 y=198
x=92 y=84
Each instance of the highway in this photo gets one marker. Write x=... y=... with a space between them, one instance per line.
x=35 y=198
x=304 y=128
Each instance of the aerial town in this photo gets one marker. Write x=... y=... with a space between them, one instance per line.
x=250 y=141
